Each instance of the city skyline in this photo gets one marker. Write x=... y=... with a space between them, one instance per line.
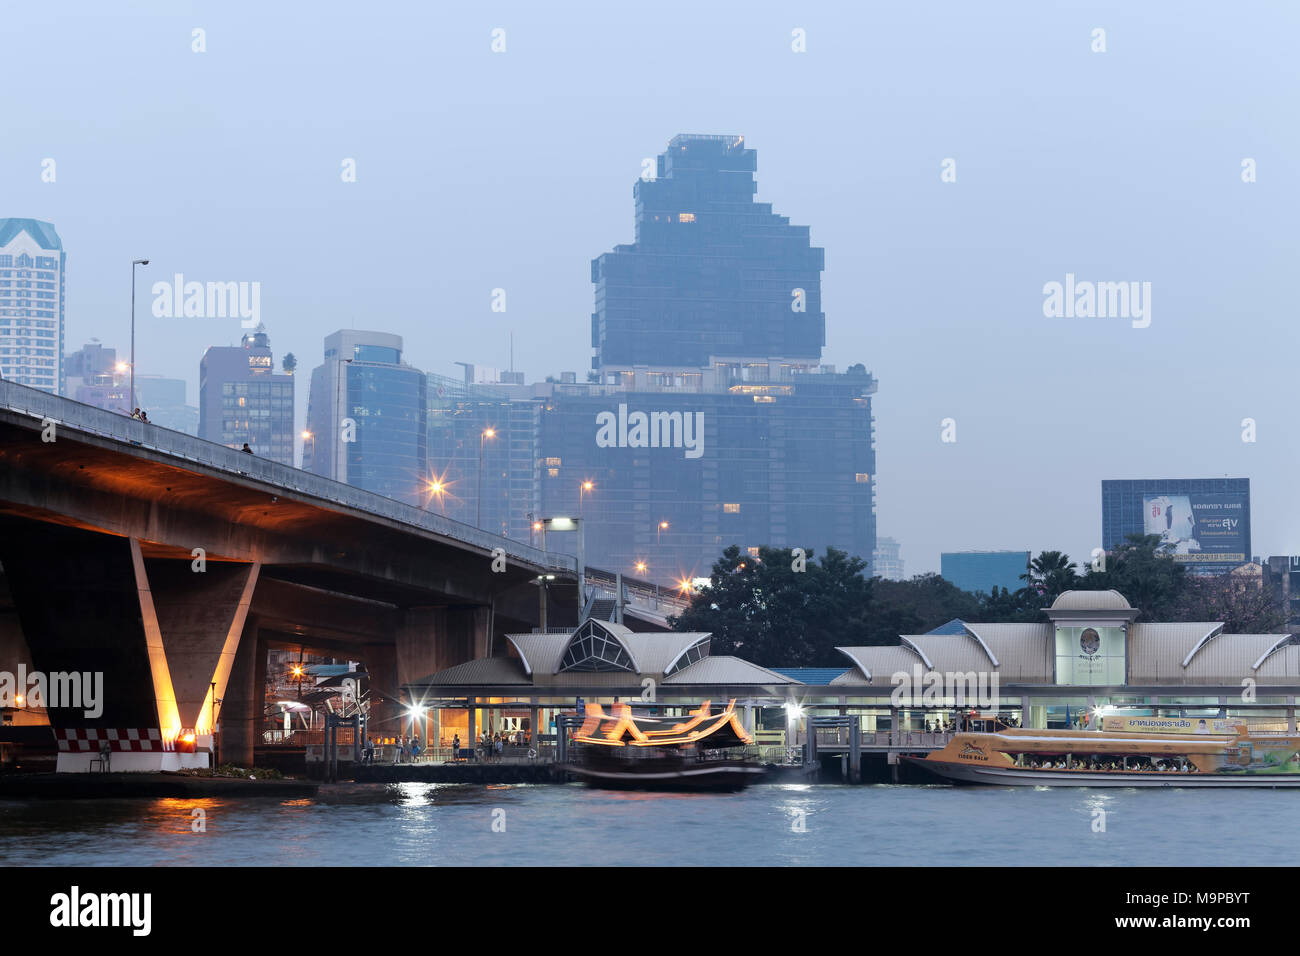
x=938 y=293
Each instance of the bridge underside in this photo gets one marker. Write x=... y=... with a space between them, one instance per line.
x=172 y=583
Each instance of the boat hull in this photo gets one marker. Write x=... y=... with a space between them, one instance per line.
x=1018 y=777
x=719 y=776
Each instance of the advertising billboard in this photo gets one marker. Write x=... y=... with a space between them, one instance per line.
x=1205 y=530
x=1090 y=655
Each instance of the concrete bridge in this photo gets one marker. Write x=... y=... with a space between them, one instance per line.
x=172 y=564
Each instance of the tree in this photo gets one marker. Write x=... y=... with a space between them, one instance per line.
x=771 y=614
x=1241 y=603
x=1143 y=571
x=1051 y=573
x=289 y=362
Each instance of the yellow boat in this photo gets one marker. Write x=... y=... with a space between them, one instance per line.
x=1134 y=757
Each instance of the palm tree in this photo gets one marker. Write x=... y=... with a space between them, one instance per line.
x=1051 y=573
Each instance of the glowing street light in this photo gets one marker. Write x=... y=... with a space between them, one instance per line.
x=583 y=488
x=640 y=567
x=134 y=263
x=659 y=530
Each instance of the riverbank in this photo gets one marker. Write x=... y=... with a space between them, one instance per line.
x=80 y=786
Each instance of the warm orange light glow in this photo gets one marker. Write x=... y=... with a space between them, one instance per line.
x=537 y=526
x=297 y=671
x=19 y=700
x=640 y=566
x=489 y=433
x=684 y=585
x=306 y=435
x=436 y=487
x=587 y=486
x=663 y=524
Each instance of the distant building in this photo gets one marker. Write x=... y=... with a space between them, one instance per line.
x=93 y=376
x=982 y=571
x=243 y=400
x=1281 y=575
x=164 y=401
x=367 y=417
x=499 y=426
x=32 y=308
x=888 y=562
x=1203 y=522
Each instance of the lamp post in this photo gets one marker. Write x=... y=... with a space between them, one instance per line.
x=308 y=437
x=583 y=488
x=134 y=263
x=659 y=530
x=436 y=488
x=483 y=436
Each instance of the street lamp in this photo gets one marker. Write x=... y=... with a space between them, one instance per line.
x=308 y=437
x=583 y=488
x=437 y=488
x=483 y=436
x=134 y=263
x=659 y=530
x=640 y=567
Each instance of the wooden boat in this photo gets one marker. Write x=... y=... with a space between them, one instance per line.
x=1134 y=757
x=704 y=751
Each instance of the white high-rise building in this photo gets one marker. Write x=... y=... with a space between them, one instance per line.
x=32 y=264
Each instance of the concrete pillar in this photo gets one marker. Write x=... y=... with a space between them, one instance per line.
x=240 y=716
x=420 y=643
x=199 y=616
x=385 y=690
x=855 y=750
x=472 y=733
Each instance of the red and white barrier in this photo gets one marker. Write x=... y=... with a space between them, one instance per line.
x=81 y=750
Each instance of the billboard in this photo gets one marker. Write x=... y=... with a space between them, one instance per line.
x=1090 y=655
x=1206 y=530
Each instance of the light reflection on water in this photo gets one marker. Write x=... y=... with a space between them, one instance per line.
x=414 y=824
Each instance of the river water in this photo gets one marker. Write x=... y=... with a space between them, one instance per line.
x=790 y=824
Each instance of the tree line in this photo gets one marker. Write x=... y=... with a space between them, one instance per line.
x=780 y=610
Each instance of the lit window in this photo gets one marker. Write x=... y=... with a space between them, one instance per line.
x=753 y=552
x=862 y=478
x=730 y=509
x=686 y=217
x=552 y=473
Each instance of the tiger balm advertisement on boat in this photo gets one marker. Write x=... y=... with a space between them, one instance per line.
x=1172 y=725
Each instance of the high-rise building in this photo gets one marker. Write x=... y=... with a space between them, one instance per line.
x=164 y=400
x=367 y=417
x=243 y=400
x=484 y=436
x=888 y=561
x=711 y=421
x=1203 y=523
x=32 y=288
x=94 y=376
x=714 y=278
x=982 y=571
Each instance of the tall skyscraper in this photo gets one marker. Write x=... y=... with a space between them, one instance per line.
x=32 y=288
x=367 y=417
x=712 y=421
x=243 y=400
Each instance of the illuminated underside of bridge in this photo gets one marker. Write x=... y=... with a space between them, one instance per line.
x=102 y=523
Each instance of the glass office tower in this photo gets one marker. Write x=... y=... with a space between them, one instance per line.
x=712 y=274
x=367 y=416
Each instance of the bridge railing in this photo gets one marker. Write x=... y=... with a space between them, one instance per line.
x=115 y=425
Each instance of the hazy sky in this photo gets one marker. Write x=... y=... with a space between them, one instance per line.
x=478 y=170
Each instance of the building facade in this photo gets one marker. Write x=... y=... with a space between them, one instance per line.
x=367 y=417
x=93 y=375
x=888 y=563
x=32 y=308
x=1204 y=522
x=242 y=400
x=982 y=571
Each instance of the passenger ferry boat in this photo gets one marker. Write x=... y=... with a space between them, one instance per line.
x=703 y=751
x=1147 y=752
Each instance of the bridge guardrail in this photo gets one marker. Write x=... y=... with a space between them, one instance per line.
x=115 y=425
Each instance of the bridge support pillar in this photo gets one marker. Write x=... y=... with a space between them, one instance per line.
x=386 y=709
x=241 y=712
x=855 y=749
